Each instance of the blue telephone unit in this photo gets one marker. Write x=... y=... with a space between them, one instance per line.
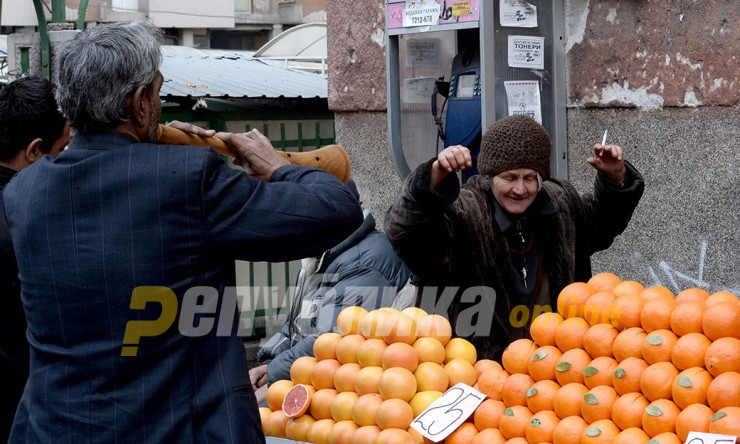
x=463 y=124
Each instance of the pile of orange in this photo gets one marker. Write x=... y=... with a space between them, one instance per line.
x=616 y=363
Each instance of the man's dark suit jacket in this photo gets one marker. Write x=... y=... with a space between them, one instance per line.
x=108 y=215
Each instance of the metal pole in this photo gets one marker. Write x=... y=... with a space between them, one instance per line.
x=44 y=35
x=81 y=14
x=58 y=11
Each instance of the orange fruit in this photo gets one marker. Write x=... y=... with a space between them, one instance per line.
x=488 y=414
x=541 y=426
x=491 y=382
x=459 y=348
x=275 y=424
x=690 y=350
x=485 y=364
x=347 y=348
x=430 y=350
x=626 y=378
x=543 y=328
x=264 y=413
x=398 y=327
x=348 y=320
x=415 y=313
x=604 y=281
x=465 y=434
x=417 y=437
x=687 y=318
x=300 y=370
x=541 y=365
x=434 y=326
x=394 y=414
x=397 y=383
x=489 y=436
x=370 y=352
x=567 y=400
x=341 y=406
x=366 y=435
x=342 y=432
x=599 y=339
x=656 y=292
x=367 y=380
x=692 y=295
x=723 y=355
x=656 y=380
x=394 y=435
x=569 y=430
x=540 y=396
x=690 y=387
x=371 y=325
x=570 y=366
x=322 y=374
x=297 y=428
x=597 y=403
x=625 y=312
x=656 y=314
x=724 y=391
x=720 y=296
x=297 y=400
x=344 y=377
x=400 y=354
x=569 y=334
x=321 y=402
x=431 y=376
x=602 y=431
x=365 y=409
x=660 y=417
x=694 y=418
x=460 y=370
x=516 y=356
x=599 y=307
x=422 y=400
x=515 y=388
x=628 y=343
x=631 y=435
x=722 y=320
x=726 y=421
x=276 y=393
x=628 y=288
x=599 y=372
x=514 y=421
x=627 y=410
x=665 y=438
x=572 y=298
x=320 y=430
x=658 y=346
x=325 y=346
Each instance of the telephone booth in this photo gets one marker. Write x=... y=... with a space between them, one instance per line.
x=456 y=66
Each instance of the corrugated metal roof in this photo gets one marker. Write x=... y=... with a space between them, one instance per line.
x=196 y=73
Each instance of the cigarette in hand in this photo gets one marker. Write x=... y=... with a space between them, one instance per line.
x=603 y=143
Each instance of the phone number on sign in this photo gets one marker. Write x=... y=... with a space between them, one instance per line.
x=422 y=20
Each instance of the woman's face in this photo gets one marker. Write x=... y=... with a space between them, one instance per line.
x=515 y=190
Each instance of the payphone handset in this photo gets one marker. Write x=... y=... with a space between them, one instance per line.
x=463 y=123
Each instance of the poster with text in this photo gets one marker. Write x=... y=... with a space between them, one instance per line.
x=517 y=13
x=523 y=97
x=526 y=52
x=421 y=13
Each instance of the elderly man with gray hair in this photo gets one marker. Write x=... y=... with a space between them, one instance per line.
x=124 y=236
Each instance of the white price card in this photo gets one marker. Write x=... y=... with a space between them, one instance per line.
x=709 y=438
x=421 y=13
x=526 y=52
x=517 y=13
x=448 y=412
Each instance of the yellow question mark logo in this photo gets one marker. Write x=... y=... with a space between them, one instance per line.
x=136 y=329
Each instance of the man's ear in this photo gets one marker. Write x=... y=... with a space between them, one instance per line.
x=33 y=152
x=140 y=107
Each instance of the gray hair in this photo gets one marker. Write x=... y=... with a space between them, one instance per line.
x=101 y=67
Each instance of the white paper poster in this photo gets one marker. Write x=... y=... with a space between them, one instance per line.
x=422 y=52
x=524 y=98
x=418 y=90
x=526 y=52
x=517 y=13
x=421 y=13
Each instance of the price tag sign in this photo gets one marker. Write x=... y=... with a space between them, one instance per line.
x=709 y=438
x=448 y=412
x=421 y=13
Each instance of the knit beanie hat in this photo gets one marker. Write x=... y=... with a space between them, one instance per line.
x=514 y=142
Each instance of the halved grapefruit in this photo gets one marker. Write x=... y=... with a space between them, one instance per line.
x=297 y=400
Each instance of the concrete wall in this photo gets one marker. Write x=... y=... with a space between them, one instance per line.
x=662 y=76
